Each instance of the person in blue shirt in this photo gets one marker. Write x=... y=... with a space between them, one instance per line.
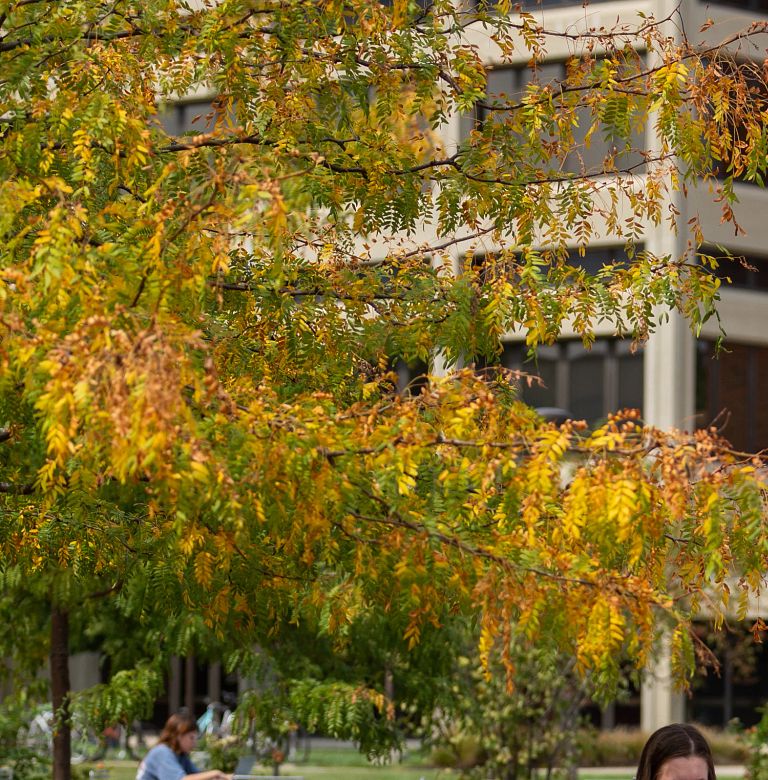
x=169 y=759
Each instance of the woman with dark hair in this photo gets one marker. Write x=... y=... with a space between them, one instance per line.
x=169 y=758
x=676 y=752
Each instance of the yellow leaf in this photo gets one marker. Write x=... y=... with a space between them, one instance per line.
x=204 y=568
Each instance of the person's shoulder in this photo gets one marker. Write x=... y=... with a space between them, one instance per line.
x=159 y=752
x=159 y=749
x=159 y=763
x=149 y=764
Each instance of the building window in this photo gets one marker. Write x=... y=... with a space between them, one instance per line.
x=422 y=5
x=190 y=116
x=728 y=396
x=589 y=383
x=744 y=272
x=411 y=376
x=740 y=132
x=744 y=5
x=739 y=688
x=491 y=266
x=505 y=89
x=532 y=5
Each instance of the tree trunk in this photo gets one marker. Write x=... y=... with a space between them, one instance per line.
x=59 y=661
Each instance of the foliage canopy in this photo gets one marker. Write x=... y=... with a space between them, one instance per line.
x=198 y=330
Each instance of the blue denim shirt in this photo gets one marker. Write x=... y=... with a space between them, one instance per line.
x=161 y=763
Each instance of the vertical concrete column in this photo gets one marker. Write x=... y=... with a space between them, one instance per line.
x=668 y=402
x=669 y=399
x=669 y=391
x=669 y=385
x=437 y=364
x=660 y=703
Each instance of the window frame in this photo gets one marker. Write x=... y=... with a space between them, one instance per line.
x=712 y=376
x=195 y=115
x=581 y=158
x=534 y=5
x=732 y=264
x=742 y=5
x=564 y=354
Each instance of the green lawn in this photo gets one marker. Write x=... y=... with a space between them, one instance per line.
x=390 y=772
x=618 y=776
x=126 y=770
x=346 y=765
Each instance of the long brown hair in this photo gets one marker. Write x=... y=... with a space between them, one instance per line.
x=678 y=740
x=176 y=726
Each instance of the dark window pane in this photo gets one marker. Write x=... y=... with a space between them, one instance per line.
x=507 y=265
x=505 y=87
x=748 y=272
x=422 y=5
x=196 y=116
x=759 y=421
x=744 y=83
x=589 y=384
x=513 y=356
x=735 y=273
x=729 y=393
x=411 y=376
x=532 y=5
x=594 y=260
x=745 y=5
x=545 y=391
x=741 y=687
x=631 y=381
x=590 y=156
x=587 y=381
x=733 y=394
x=503 y=84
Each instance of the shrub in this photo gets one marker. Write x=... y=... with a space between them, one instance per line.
x=224 y=752
x=488 y=729
x=462 y=752
x=756 y=741
x=622 y=747
x=728 y=746
x=618 y=747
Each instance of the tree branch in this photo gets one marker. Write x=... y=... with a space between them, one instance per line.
x=16 y=489
x=6 y=46
x=393 y=519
